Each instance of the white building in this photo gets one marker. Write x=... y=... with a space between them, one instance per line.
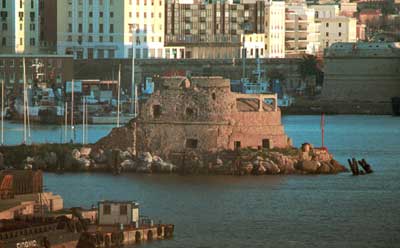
x=302 y=31
x=337 y=29
x=19 y=26
x=109 y=28
x=118 y=212
x=275 y=29
x=254 y=45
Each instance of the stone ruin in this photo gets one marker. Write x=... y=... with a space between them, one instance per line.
x=201 y=115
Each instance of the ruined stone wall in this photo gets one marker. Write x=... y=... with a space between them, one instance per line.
x=204 y=111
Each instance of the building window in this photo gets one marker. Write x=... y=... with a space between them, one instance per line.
x=32 y=26
x=100 y=53
x=4 y=4
x=111 y=14
x=191 y=143
x=69 y=27
x=32 y=41
x=100 y=38
x=80 y=14
x=32 y=4
x=101 y=28
x=90 y=28
x=111 y=28
x=237 y=145
x=111 y=53
x=340 y=24
x=106 y=209
x=340 y=34
x=327 y=25
x=69 y=13
x=101 y=14
x=80 y=28
x=90 y=14
x=3 y=42
x=90 y=53
x=156 y=111
x=327 y=34
x=90 y=39
x=123 y=209
x=21 y=41
x=111 y=39
x=266 y=143
x=4 y=26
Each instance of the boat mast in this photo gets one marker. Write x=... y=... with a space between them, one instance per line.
x=25 y=96
x=83 y=120
x=87 y=122
x=72 y=111
x=118 y=93
x=66 y=122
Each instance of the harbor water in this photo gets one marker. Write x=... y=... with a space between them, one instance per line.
x=265 y=211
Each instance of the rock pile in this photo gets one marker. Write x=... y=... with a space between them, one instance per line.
x=306 y=160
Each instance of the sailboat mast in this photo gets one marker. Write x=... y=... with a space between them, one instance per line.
x=118 y=93
x=86 y=124
x=72 y=110
x=83 y=120
x=66 y=122
x=25 y=96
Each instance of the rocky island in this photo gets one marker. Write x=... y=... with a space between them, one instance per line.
x=191 y=126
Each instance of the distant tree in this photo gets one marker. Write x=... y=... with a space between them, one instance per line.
x=309 y=66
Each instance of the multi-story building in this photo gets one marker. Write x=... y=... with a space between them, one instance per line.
x=325 y=11
x=302 y=32
x=274 y=29
x=348 y=8
x=337 y=29
x=111 y=28
x=19 y=24
x=205 y=30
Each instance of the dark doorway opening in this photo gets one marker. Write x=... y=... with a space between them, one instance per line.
x=191 y=143
x=156 y=111
x=266 y=143
x=237 y=145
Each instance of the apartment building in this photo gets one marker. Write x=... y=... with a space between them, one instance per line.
x=274 y=29
x=96 y=29
x=205 y=30
x=337 y=29
x=325 y=11
x=301 y=32
x=19 y=24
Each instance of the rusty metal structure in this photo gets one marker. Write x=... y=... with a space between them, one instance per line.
x=18 y=182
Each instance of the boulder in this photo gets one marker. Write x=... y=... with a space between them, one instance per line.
x=337 y=167
x=325 y=168
x=146 y=157
x=50 y=159
x=99 y=156
x=85 y=151
x=125 y=155
x=128 y=164
x=167 y=167
x=144 y=168
x=261 y=170
x=76 y=154
x=247 y=168
x=270 y=167
x=83 y=163
x=309 y=166
x=39 y=163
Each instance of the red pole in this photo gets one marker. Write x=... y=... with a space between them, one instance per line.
x=322 y=128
